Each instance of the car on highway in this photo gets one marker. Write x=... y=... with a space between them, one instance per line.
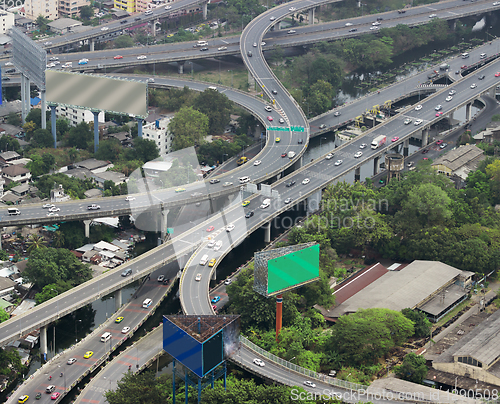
x=198 y=277
x=418 y=122
x=322 y=126
x=473 y=85
x=93 y=207
x=375 y=23
x=262 y=43
x=177 y=190
x=496 y=3
x=309 y=384
x=284 y=154
x=438 y=142
x=55 y=395
x=51 y=65
x=248 y=215
x=306 y=181
x=339 y=162
x=119 y=320
x=259 y=362
x=411 y=164
x=210 y=228
x=270 y=118
x=449 y=98
x=54 y=209
x=71 y=361
x=23 y=399
x=329 y=156
x=214 y=181
x=278 y=139
x=443 y=145
x=348 y=24
x=292 y=9
x=463 y=67
x=272 y=18
x=292 y=31
x=218 y=245
x=212 y=262
x=439 y=113
x=452 y=92
x=425 y=151
x=408 y=121
x=227 y=184
x=160 y=278
x=433 y=16
x=395 y=139
x=47 y=43
x=125 y=330
x=205 y=49
x=481 y=77
x=255 y=44
x=257 y=163
x=222 y=48
x=353 y=30
x=228 y=281
x=291 y=154
x=337 y=113
x=48 y=206
x=245 y=203
x=82 y=62
x=104 y=28
x=438 y=107
x=216 y=299
x=168 y=7
x=288 y=200
x=118 y=57
x=130 y=198
x=88 y=354
x=290 y=184
x=142 y=57
x=268 y=108
x=497 y=74
x=52 y=214
x=49 y=389
x=274 y=92
x=363 y=146
x=210 y=244
x=358 y=154
x=230 y=227
x=418 y=107
x=127 y=272
x=373 y=28
x=282 y=121
x=12 y=64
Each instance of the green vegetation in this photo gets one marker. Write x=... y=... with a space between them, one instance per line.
x=413 y=368
x=10 y=362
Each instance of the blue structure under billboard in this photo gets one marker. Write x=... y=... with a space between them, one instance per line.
x=201 y=344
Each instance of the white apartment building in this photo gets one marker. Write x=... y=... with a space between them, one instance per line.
x=46 y=8
x=76 y=115
x=6 y=21
x=158 y=131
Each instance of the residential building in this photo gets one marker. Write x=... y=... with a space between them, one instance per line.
x=76 y=115
x=57 y=194
x=93 y=165
x=9 y=157
x=116 y=177
x=71 y=8
x=158 y=132
x=6 y=21
x=16 y=173
x=63 y=25
x=48 y=9
x=460 y=161
x=127 y=5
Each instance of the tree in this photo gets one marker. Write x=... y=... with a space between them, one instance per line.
x=420 y=322
x=29 y=127
x=42 y=22
x=42 y=138
x=34 y=242
x=80 y=136
x=141 y=388
x=9 y=143
x=14 y=119
x=123 y=41
x=59 y=239
x=35 y=115
x=49 y=161
x=413 y=368
x=145 y=150
x=188 y=127
x=86 y=12
x=63 y=125
x=10 y=360
x=217 y=107
x=109 y=150
x=4 y=316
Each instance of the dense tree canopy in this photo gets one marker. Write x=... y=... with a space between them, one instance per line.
x=217 y=107
x=413 y=368
x=188 y=127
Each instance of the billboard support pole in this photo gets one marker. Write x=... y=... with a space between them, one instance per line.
x=44 y=110
x=173 y=381
x=139 y=126
x=199 y=390
x=96 y=130
x=53 y=124
x=186 y=384
x=279 y=311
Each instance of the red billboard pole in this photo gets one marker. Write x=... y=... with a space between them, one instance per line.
x=279 y=311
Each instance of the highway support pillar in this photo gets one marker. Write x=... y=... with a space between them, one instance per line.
x=118 y=299
x=311 y=15
x=279 y=315
x=205 y=8
x=425 y=137
x=468 y=111
x=357 y=174
x=87 y=227
x=43 y=343
x=25 y=98
x=214 y=276
x=44 y=110
x=492 y=91
x=163 y=225
x=92 y=44
x=267 y=232
x=406 y=147
x=375 y=165
x=139 y=126
x=53 y=124
x=251 y=80
x=180 y=67
x=96 y=130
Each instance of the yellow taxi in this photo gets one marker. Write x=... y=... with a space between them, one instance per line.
x=278 y=139
x=88 y=354
x=245 y=203
x=119 y=319
x=180 y=190
x=23 y=399
x=170 y=35
x=212 y=262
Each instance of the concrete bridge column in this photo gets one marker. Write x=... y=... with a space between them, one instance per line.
x=96 y=130
x=267 y=233
x=357 y=174
x=164 y=215
x=139 y=126
x=406 y=146
x=53 y=124
x=425 y=137
x=92 y=44
x=44 y=110
x=87 y=227
x=43 y=342
x=314 y=202
x=118 y=299
x=375 y=165
x=492 y=91
x=258 y=131
x=251 y=80
x=205 y=11
x=180 y=67
x=311 y=16
x=468 y=111
x=214 y=276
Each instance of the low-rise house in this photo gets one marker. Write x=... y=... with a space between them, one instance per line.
x=16 y=173
x=460 y=161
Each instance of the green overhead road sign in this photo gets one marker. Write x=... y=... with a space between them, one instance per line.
x=297 y=128
x=279 y=128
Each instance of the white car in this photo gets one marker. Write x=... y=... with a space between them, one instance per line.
x=12 y=64
x=292 y=9
x=227 y=184
x=433 y=16
x=48 y=206
x=228 y=281
x=51 y=65
x=125 y=330
x=338 y=162
x=375 y=23
x=142 y=57
x=262 y=43
x=198 y=277
x=372 y=28
x=230 y=227
x=259 y=362
x=104 y=28
x=222 y=48
x=329 y=156
x=473 y=85
x=362 y=145
x=71 y=361
x=130 y=198
x=292 y=31
x=358 y=154
x=218 y=245
x=407 y=121
x=418 y=107
x=255 y=44
x=496 y=3
x=168 y=7
x=52 y=214
x=211 y=244
x=282 y=120
x=452 y=92
x=272 y=18
x=438 y=107
x=54 y=209
x=306 y=181
x=348 y=24
x=268 y=108
x=257 y=163
x=449 y=98
x=418 y=122
x=309 y=384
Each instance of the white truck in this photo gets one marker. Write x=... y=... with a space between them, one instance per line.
x=378 y=141
x=265 y=203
